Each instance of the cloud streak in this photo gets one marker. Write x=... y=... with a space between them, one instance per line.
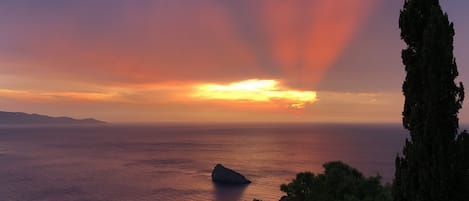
x=158 y=41
x=255 y=90
x=173 y=56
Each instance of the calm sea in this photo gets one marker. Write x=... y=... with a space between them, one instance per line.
x=173 y=162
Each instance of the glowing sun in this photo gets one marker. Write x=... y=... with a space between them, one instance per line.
x=255 y=90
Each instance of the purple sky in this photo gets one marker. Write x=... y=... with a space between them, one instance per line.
x=148 y=60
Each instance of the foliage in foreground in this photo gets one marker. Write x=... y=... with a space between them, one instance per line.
x=434 y=163
x=339 y=182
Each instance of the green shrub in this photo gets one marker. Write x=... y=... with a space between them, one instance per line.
x=339 y=182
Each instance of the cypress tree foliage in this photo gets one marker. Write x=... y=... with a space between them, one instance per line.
x=433 y=165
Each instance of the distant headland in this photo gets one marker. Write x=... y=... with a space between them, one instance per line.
x=16 y=118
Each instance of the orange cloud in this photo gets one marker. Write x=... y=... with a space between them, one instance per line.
x=150 y=42
x=165 y=41
x=267 y=100
x=254 y=90
x=163 y=53
x=268 y=92
x=308 y=36
x=42 y=96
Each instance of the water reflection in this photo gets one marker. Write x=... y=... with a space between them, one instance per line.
x=133 y=163
x=228 y=193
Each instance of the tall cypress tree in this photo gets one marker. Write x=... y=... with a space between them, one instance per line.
x=433 y=165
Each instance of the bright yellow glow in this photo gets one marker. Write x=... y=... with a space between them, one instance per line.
x=255 y=90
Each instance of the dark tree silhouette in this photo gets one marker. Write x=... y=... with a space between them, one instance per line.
x=339 y=182
x=433 y=166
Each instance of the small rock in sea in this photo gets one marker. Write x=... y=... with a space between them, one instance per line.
x=226 y=176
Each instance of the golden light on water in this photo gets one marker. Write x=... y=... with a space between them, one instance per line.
x=256 y=90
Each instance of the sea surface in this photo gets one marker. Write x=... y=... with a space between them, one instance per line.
x=173 y=162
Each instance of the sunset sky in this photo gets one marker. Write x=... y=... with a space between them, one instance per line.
x=210 y=60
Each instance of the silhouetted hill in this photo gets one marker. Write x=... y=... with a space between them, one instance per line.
x=24 y=118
